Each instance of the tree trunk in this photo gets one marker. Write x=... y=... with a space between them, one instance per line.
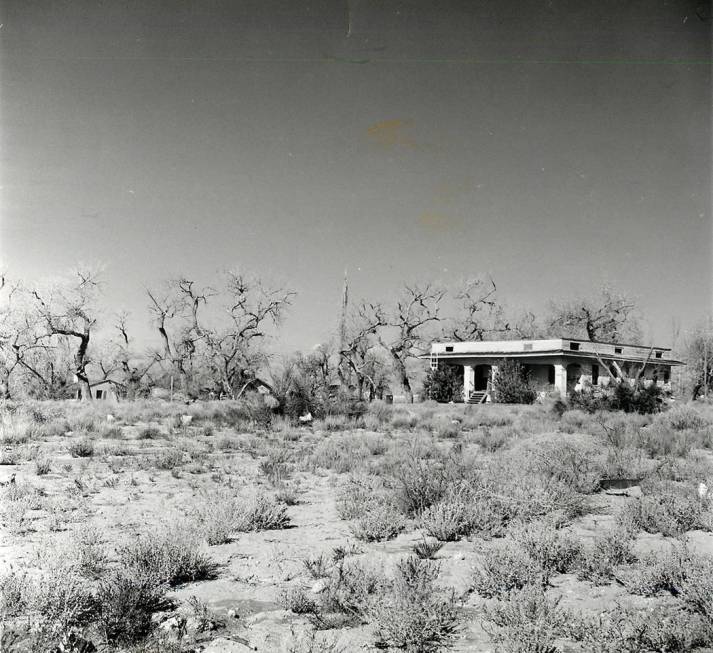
x=403 y=378
x=81 y=366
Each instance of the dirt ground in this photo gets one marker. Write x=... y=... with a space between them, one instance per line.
x=121 y=492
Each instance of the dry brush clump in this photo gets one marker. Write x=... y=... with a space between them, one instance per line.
x=408 y=610
x=526 y=621
x=170 y=554
x=463 y=511
x=364 y=500
x=609 y=549
x=224 y=513
x=668 y=507
x=79 y=595
x=412 y=613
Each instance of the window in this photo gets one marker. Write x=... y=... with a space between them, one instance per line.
x=99 y=394
x=658 y=354
x=617 y=350
x=551 y=374
x=574 y=346
x=667 y=376
x=527 y=346
x=595 y=374
x=449 y=348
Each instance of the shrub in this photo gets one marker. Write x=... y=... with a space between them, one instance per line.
x=349 y=589
x=169 y=459
x=87 y=554
x=426 y=549
x=460 y=513
x=357 y=495
x=339 y=453
x=663 y=627
x=380 y=521
x=262 y=513
x=444 y=384
x=506 y=568
x=297 y=600
x=590 y=400
x=419 y=482
x=111 y=433
x=219 y=516
x=170 y=555
x=511 y=384
x=318 y=567
x=150 y=433
x=494 y=438
x=637 y=398
x=668 y=508
x=81 y=449
x=575 y=464
x=608 y=550
x=15 y=590
x=276 y=465
x=43 y=466
x=414 y=614
x=683 y=418
x=695 y=587
x=60 y=601
x=657 y=572
x=126 y=605
x=553 y=550
x=526 y=622
x=402 y=419
x=446 y=429
x=658 y=440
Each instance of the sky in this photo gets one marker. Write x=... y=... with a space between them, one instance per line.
x=557 y=146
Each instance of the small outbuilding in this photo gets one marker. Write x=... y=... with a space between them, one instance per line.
x=106 y=390
x=559 y=364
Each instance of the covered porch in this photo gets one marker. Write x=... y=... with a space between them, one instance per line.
x=558 y=365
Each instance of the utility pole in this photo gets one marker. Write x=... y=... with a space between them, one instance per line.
x=705 y=367
x=343 y=329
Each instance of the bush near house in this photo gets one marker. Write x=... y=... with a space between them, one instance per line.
x=444 y=384
x=511 y=385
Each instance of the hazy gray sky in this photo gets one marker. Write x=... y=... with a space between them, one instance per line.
x=556 y=145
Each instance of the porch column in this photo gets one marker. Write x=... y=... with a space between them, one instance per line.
x=468 y=381
x=561 y=379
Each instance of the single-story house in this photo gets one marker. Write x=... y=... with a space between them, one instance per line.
x=561 y=364
x=106 y=390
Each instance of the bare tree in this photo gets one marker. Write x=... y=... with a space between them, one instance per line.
x=606 y=317
x=23 y=344
x=402 y=331
x=699 y=361
x=358 y=357
x=68 y=309
x=218 y=329
x=134 y=368
x=480 y=316
x=167 y=310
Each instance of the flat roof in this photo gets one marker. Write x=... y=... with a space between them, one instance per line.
x=529 y=348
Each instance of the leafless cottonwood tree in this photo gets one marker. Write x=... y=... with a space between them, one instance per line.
x=135 y=368
x=606 y=317
x=168 y=311
x=402 y=330
x=68 y=310
x=480 y=316
x=23 y=344
x=359 y=356
x=219 y=329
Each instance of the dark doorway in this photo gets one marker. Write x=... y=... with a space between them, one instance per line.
x=482 y=374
